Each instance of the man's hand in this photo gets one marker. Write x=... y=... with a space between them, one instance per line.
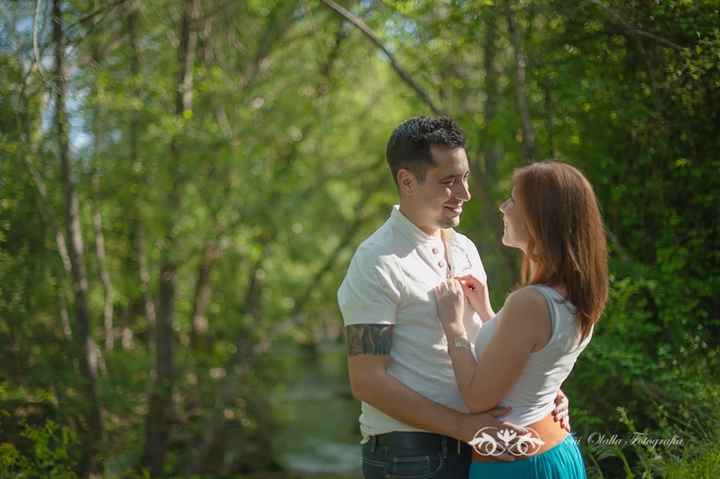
x=469 y=424
x=561 y=413
x=450 y=305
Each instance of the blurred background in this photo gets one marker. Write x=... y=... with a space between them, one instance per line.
x=183 y=184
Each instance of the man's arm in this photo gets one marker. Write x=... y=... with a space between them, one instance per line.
x=368 y=347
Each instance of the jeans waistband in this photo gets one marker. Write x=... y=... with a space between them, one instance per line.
x=416 y=440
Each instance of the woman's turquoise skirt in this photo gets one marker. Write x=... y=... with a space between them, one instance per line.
x=563 y=461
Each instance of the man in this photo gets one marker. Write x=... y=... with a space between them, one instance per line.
x=413 y=419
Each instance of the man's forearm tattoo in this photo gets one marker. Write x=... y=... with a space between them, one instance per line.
x=369 y=339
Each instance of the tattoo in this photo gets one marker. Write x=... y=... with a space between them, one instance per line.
x=369 y=339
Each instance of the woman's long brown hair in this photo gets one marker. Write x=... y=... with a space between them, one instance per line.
x=567 y=244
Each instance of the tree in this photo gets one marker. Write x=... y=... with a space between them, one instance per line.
x=85 y=350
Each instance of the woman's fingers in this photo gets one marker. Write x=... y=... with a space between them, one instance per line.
x=470 y=278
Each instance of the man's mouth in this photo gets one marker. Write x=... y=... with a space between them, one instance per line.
x=457 y=209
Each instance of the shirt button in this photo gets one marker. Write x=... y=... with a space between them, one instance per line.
x=441 y=264
x=435 y=251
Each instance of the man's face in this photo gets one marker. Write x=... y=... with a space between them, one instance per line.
x=438 y=201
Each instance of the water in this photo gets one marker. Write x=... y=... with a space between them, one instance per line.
x=322 y=435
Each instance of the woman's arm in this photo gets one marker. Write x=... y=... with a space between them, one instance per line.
x=485 y=382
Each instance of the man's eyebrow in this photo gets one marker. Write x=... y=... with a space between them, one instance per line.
x=467 y=173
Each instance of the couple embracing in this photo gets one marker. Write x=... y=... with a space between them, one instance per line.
x=449 y=388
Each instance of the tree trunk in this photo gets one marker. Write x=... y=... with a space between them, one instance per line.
x=104 y=278
x=528 y=133
x=279 y=21
x=137 y=228
x=488 y=179
x=144 y=275
x=239 y=364
x=549 y=119
x=160 y=414
x=64 y=315
x=98 y=228
x=82 y=332
x=491 y=98
x=203 y=290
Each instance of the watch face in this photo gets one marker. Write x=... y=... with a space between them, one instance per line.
x=461 y=343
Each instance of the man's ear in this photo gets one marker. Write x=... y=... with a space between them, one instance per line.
x=407 y=183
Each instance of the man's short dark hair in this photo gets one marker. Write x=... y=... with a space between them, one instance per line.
x=409 y=145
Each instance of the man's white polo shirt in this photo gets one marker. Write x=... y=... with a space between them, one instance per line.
x=390 y=281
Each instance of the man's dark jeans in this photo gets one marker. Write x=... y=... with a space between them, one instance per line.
x=415 y=455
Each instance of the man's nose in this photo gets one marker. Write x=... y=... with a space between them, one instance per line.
x=502 y=206
x=463 y=191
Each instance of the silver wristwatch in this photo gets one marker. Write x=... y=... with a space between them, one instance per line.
x=462 y=343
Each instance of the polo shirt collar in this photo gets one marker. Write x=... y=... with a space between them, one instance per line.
x=409 y=230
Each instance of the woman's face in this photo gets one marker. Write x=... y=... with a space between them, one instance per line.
x=515 y=233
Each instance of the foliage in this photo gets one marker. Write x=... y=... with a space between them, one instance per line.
x=278 y=165
x=49 y=453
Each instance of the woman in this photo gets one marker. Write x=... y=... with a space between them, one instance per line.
x=526 y=351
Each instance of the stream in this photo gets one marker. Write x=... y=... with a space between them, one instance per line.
x=321 y=436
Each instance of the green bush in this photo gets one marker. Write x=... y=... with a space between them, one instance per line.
x=47 y=454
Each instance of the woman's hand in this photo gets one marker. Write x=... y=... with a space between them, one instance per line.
x=451 y=306
x=476 y=292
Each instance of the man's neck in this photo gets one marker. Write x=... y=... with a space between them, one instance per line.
x=409 y=213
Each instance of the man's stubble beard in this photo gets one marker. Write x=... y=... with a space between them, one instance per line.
x=449 y=222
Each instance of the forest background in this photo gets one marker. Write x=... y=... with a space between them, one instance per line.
x=183 y=183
